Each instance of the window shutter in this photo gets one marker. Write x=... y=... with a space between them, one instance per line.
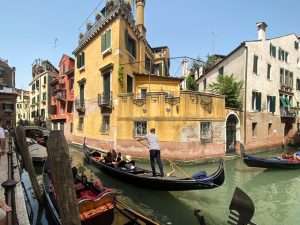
x=258 y=101
x=78 y=61
x=108 y=39
x=82 y=60
x=126 y=40
x=253 y=98
x=103 y=42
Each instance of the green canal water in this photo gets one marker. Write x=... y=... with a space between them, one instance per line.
x=276 y=195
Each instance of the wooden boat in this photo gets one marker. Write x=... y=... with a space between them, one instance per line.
x=95 y=207
x=38 y=152
x=276 y=162
x=144 y=178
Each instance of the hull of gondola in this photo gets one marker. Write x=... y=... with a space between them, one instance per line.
x=253 y=161
x=162 y=183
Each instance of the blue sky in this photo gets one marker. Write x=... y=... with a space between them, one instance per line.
x=28 y=29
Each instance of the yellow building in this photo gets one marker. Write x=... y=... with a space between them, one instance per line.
x=123 y=87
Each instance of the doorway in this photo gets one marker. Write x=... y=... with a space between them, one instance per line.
x=231 y=133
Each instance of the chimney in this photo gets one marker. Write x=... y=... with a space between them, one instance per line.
x=89 y=26
x=140 y=8
x=261 y=30
x=98 y=17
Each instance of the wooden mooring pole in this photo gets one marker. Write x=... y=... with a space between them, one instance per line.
x=62 y=178
x=27 y=161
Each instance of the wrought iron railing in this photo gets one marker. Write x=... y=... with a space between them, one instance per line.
x=105 y=99
x=80 y=105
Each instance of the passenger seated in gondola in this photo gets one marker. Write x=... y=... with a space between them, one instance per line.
x=128 y=163
x=97 y=156
x=108 y=159
x=114 y=155
x=119 y=157
x=98 y=185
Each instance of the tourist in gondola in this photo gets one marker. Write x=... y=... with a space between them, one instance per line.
x=119 y=157
x=154 y=150
x=114 y=155
x=108 y=159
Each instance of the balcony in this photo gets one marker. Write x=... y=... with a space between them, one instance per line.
x=61 y=96
x=288 y=113
x=285 y=88
x=80 y=106
x=105 y=100
x=61 y=116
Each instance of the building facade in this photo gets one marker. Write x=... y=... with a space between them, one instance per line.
x=62 y=99
x=22 y=106
x=270 y=71
x=8 y=94
x=123 y=88
x=40 y=97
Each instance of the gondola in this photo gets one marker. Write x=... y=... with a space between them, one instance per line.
x=143 y=178
x=105 y=209
x=276 y=162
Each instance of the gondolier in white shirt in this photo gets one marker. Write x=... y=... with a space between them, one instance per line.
x=154 y=150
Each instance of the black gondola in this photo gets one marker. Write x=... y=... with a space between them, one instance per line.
x=144 y=178
x=253 y=161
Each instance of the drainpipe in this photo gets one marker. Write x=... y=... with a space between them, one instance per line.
x=245 y=97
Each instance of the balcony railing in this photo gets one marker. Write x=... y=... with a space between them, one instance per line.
x=105 y=100
x=61 y=96
x=286 y=88
x=288 y=112
x=79 y=105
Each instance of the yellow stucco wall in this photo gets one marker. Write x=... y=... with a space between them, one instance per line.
x=186 y=111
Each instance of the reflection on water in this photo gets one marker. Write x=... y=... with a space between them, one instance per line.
x=276 y=195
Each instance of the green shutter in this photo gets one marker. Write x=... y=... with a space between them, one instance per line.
x=82 y=60
x=78 y=61
x=258 y=101
x=108 y=39
x=273 y=104
x=103 y=42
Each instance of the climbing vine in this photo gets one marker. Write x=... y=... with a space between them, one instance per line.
x=121 y=76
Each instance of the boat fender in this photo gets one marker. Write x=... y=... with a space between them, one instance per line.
x=199 y=175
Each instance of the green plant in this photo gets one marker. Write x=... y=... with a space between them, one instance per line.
x=121 y=76
x=229 y=87
x=191 y=84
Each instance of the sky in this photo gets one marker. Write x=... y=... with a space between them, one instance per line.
x=49 y=28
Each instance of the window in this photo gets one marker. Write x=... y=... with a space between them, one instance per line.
x=205 y=132
x=105 y=124
x=254 y=129
x=38 y=99
x=147 y=63
x=283 y=55
x=37 y=84
x=106 y=41
x=281 y=76
x=143 y=93
x=272 y=51
x=158 y=69
x=204 y=84
x=271 y=103
x=71 y=127
x=33 y=87
x=130 y=44
x=256 y=101
x=129 y=84
x=221 y=70
x=255 y=64
x=298 y=84
x=43 y=113
x=296 y=45
x=80 y=60
x=269 y=72
x=33 y=100
x=286 y=78
x=80 y=123
x=45 y=79
x=269 y=129
x=140 y=128
x=44 y=96
x=2 y=71
x=291 y=80
x=81 y=94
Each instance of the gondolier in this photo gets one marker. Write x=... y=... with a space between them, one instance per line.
x=154 y=150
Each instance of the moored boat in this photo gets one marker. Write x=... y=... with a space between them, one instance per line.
x=142 y=177
x=95 y=206
x=275 y=162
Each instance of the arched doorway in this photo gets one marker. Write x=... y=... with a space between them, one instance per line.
x=231 y=133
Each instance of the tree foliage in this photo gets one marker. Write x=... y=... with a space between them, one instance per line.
x=229 y=87
x=191 y=84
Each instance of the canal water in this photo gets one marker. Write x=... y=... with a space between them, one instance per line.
x=276 y=194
